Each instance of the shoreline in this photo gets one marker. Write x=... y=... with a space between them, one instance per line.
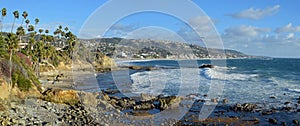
x=96 y=110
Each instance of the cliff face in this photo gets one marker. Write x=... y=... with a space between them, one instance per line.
x=103 y=63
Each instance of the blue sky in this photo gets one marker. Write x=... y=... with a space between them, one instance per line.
x=256 y=27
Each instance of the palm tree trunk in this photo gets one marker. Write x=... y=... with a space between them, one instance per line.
x=13 y=25
x=22 y=22
x=38 y=68
x=1 y=24
x=10 y=71
x=2 y=18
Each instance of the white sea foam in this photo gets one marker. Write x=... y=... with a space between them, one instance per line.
x=297 y=90
x=154 y=82
x=149 y=82
x=220 y=73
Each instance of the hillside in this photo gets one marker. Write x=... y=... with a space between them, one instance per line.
x=146 y=48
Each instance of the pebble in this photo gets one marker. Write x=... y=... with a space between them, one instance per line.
x=295 y=121
x=283 y=123
x=288 y=102
x=225 y=100
x=214 y=100
x=272 y=121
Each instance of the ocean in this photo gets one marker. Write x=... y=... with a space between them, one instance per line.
x=268 y=82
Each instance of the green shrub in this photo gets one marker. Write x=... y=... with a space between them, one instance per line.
x=21 y=81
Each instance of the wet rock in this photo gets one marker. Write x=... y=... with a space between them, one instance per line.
x=256 y=121
x=135 y=67
x=272 y=121
x=283 y=123
x=169 y=101
x=246 y=107
x=125 y=103
x=147 y=68
x=273 y=97
x=111 y=91
x=288 y=102
x=144 y=106
x=206 y=66
x=214 y=100
x=267 y=112
x=296 y=122
x=147 y=97
x=287 y=108
x=106 y=97
x=225 y=100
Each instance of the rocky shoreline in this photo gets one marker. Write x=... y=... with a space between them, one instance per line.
x=59 y=105
x=102 y=109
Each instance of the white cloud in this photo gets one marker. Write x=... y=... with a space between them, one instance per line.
x=120 y=30
x=290 y=36
x=261 y=41
x=256 y=14
x=123 y=27
x=245 y=31
x=201 y=23
x=201 y=29
x=288 y=28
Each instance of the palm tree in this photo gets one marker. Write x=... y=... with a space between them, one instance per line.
x=71 y=40
x=16 y=15
x=25 y=15
x=66 y=29
x=39 y=53
x=3 y=11
x=27 y=22
x=31 y=39
x=30 y=28
x=46 y=35
x=36 y=20
x=46 y=31
x=40 y=31
x=12 y=46
x=20 y=32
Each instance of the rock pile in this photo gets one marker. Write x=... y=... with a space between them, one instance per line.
x=147 y=102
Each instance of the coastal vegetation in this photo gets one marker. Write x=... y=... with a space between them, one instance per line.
x=27 y=50
x=28 y=53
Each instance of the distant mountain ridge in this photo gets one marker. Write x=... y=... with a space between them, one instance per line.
x=151 y=49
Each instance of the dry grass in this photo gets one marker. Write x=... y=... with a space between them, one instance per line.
x=2 y=108
x=4 y=91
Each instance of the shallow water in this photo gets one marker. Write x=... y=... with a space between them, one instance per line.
x=238 y=80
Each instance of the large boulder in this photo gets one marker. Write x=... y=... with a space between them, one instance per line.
x=61 y=96
x=168 y=101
